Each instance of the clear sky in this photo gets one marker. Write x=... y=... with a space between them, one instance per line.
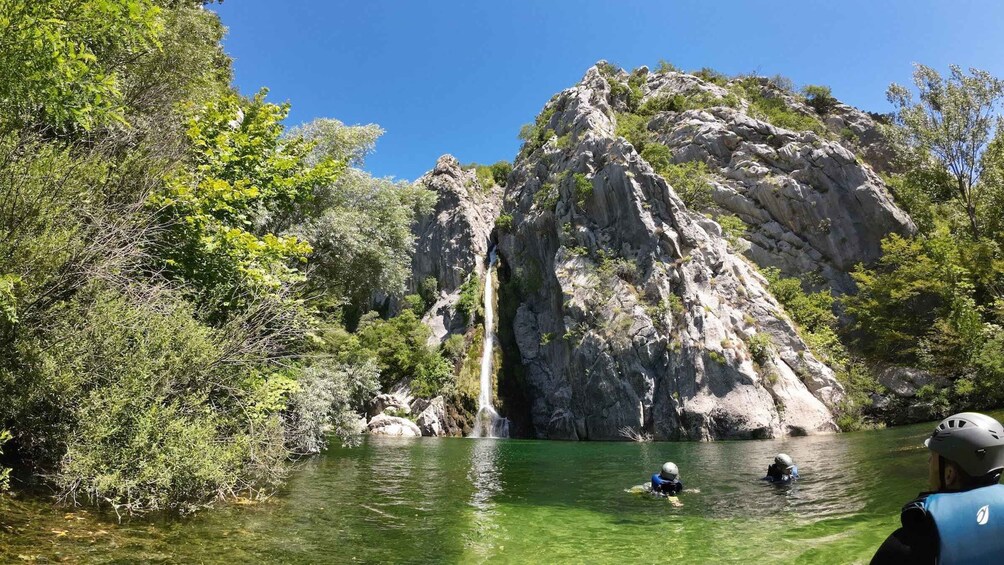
x=462 y=76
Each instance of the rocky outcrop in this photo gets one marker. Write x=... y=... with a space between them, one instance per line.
x=810 y=205
x=901 y=402
x=452 y=242
x=633 y=311
x=393 y=426
x=431 y=418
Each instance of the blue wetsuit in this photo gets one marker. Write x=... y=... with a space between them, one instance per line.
x=949 y=527
x=661 y=485
x=775 y=475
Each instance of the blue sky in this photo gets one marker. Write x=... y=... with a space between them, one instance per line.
x=462 y=76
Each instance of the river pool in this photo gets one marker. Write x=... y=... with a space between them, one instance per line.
x=519 y=501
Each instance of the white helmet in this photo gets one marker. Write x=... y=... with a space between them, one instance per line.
x=669 y=471
x=973 y=441
x=784 y=461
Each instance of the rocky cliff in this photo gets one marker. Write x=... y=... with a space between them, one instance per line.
x=452 y=242
x=631 y=311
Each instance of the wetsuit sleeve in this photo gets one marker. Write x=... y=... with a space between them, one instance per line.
x=907 y=546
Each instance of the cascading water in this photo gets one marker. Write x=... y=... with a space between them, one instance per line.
x=488 y=423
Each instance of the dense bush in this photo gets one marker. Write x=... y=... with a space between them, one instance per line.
x=690 y=181
x=820 y=98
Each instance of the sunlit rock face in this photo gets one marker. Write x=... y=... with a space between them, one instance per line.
x=634 y=312
x=452 y=242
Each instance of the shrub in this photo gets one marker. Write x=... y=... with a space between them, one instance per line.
x=708 y=74
x=732 y=226
x=771 y=108
x=658 y=156
x=328 y=398
x=500 y=171
x=691 y=183
x=820 y=98
x=583 y=188
x=666 y=67
x=414 y=303
x=454 y=347
x=759 y=345
x=429 y=291
x=634 y=128
x=504 y=222
x=547 y=196
x=470 y=303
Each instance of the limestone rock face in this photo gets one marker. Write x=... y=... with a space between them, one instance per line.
x=431 y=418
x=632 y=311
x=452 y=242
x=393 y=426
x=810 y=205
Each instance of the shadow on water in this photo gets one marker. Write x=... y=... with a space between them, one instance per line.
x=475 y=500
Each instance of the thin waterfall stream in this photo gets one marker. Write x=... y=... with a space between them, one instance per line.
x=488 y=423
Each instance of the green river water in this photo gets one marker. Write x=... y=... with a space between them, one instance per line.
x=514 y=501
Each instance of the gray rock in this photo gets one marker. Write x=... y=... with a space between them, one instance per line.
x=646 y=310
x=384 y=402
x=432 y=419
x=385 y=425
x=452 y=242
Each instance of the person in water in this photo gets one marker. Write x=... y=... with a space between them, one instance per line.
x=667 y=481
x=962 y=519
x=782 y=470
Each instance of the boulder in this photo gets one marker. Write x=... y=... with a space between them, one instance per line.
x=432 y=419
x=383 y=424
x=383 y=402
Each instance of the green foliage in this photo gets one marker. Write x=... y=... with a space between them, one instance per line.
x=667 y=67
x=952 y=121
x=708 y=74
x=767 y=104
x=695 y=100
x=399 y=348
x=63 y=61
x=414 y=303
x=634 y=128
x=240 y=169
x=135 y=376
x=583 y=188
x=429 y=291
x=733 y=227
x=454 y=348
x=657 y=155
x=547 y=196
x=504 y=222
x=691 y=183
x=759 y=345
x=4 y=472
x=717 y=357
x=500 y=171
x=820 y=98
x=470 y=303
x=535 y=135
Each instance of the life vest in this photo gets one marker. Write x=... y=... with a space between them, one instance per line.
x=970 y=524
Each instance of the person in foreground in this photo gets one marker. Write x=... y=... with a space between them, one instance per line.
x=962 y=519
x=783 y=469
x=667 y=481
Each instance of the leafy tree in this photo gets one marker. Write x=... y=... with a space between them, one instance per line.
x=953 y=118
x=820 y=98
x=61 y=60
x=240 y=170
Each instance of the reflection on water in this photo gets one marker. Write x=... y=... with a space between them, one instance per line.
x=486 y=478
x=456 y=500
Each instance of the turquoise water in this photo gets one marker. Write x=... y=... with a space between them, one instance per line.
x=515 y=501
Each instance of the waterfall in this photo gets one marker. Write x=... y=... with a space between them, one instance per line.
x=488 y=423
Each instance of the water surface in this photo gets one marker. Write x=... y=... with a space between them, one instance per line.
x=516 y=501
